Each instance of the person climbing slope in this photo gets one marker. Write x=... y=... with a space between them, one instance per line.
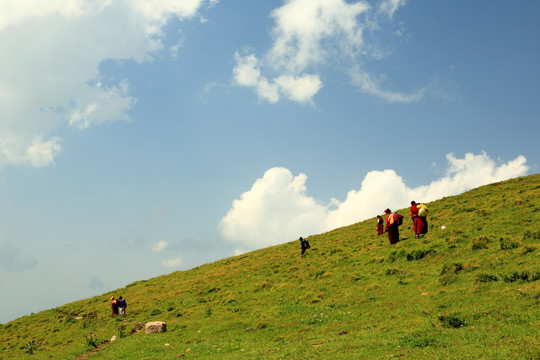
x=380 y=225
x=418 y=216
x=304 y=245
x=391 y=227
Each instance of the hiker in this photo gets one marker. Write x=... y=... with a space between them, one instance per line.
x=391 y=227
x=380 y=225
x=304 y=245
x=419 y=222
x=114 y=305
x=122 y=305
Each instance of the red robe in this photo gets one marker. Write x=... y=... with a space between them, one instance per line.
x=380 y=226
x=114 y=306
x=419 y=223
x=392 y=229
x=414 y=211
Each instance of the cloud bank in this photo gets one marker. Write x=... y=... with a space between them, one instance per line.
x=56 y=48
x=308 y=35
x=277 y=208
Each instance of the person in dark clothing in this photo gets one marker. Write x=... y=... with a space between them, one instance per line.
x=304 y=245
x=122 y=305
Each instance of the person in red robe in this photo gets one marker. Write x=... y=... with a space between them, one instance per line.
x=114 y=306
x=391 y=228
x=419 y=223
x=380 y=225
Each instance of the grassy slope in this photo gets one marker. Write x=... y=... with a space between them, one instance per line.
x=471 y=295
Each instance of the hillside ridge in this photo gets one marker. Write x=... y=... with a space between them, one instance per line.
x=469 y=290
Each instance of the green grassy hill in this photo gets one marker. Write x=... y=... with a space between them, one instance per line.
x=469 y=291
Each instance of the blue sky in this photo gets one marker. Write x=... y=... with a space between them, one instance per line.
x=142 y=137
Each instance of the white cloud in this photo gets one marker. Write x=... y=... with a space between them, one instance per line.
x=277 y=209
x=297 y=88
x=172 y=263
x=368 y=84
x=159 y=246
x=49 y=68
x=42 y=153
x=248 y=73
x=307 y=35
x=389 y=7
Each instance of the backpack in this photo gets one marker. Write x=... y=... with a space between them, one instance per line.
x=422 y=210
x=307 y=245
x=398 y=219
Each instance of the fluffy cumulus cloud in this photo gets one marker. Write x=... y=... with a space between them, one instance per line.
x=309 y=35
x=49 y=68
x=277 y=208
x=274 y=209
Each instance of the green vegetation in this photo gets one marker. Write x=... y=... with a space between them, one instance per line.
x=469 y=291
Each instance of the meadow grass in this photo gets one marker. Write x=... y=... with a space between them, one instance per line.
x=469 y=291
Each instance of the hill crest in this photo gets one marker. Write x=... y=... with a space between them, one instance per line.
x=466 y=291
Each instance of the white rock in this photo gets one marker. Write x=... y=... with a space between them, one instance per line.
x=155 y=327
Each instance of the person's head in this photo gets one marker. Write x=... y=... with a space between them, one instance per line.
x=378 y=216
x=301 y=238
x=412 y=202
x=120 y=298
x=112 y=297
x=387 y=211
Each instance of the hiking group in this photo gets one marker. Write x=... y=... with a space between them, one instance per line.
x=394 y=220
x=118 y=306
x=419 y=214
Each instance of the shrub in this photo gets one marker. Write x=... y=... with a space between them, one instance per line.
x=417 y=340
x=121 y=331
x=480 y=243
x=531 y=235
x=396 y=255
x=91 y=339
x=447 y=278
x=527 y=276
x=455 y=268
x=508 y=245
x=482 y=278
x=394 y=272
x=529 y=249
x=418 y=254
x=452 y=321
x=32 y=346
x=449 y=273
